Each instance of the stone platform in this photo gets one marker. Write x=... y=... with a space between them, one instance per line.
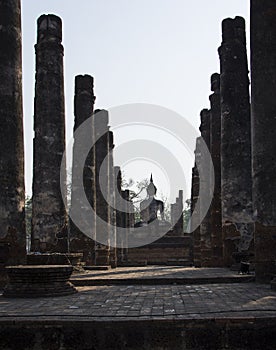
x=167 y=250
x=210 y=316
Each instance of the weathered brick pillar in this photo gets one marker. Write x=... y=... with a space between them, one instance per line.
x=193 y=202
x=83 y=176
x=263 y=75
x=236 y=178
x=12 y=188
x=127 y=219
x=119 y=214
x=173 y=210
x=102 y=253
x=112 y=203
x=180 y=223
x=177 y=215
x=205 y=226
x=196 y=206
x=49 y=231
x=215 y=144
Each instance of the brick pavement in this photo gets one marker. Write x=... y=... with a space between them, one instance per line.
x=159 y=275
x=130 y=317
x=159 y=272
x=148 y=302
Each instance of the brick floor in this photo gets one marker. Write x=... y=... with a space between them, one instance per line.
x=128 y=302
x=159 y=272
x=193 y=316
x=159 y=275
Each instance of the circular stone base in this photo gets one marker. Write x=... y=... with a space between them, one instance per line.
x=34 y=281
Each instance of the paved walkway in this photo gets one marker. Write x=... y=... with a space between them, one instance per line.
x=159 y=275
x=194 y=301
x=144 y=302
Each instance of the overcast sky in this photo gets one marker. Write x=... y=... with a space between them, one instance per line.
x=159 y=52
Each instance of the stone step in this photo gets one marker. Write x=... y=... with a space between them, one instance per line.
x=97 y=268
x=94 y=281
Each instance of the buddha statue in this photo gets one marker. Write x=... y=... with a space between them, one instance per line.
x=150 y=207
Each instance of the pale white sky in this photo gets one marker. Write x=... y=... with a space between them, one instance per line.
x=138 y=51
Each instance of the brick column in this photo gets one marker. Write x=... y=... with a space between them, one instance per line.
x=128 y=221
x=215 y=145
x=49 y=215
x=12 y=188
x=196 y=209
x=236 y=179
x=111 y=202
x=83 y=176
x=180 y=223
x=177 y=215
x=205 y=227
x=119 y=214
x=102 y=168
x=263 y=67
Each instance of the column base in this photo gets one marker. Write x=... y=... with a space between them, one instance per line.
x=230 y=236
x=113 y=258
x=102 y=256
x=206 y=257
x=265 y=252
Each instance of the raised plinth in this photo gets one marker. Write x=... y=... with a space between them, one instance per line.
x=34 y=281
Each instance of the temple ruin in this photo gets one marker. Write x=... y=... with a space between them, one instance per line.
x=94 y=286
x=238 y=226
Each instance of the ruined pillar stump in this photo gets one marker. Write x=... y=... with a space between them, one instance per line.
x=177 y=215
x=35 y=281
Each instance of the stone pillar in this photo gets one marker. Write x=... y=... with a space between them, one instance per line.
x=49 y=231
x=236 y=179
x=193 y=202
x=180 y=224
x=111 y=202
x=205 y=226
x=12 y=188
x=102 y=254
x=128 y=220
x=83 y=176
x=177 y=215
x=215 y=144
x=119 y=214
x=196 y=209
x=263 y=67
x=173 y=215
